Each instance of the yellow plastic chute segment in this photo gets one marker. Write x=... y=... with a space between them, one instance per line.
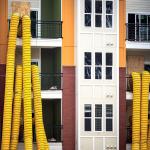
x=16 y=109
x=136 y=111
x=144 y=109
x=27 y=103
x=42 y=143
x=9 y=83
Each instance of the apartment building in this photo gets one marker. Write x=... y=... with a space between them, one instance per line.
x=97 y=74
x=137 y=49
x=52 y=49
x=80 y=47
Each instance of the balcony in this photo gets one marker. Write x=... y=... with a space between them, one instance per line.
x=53 y=136
x=137 y=36
x=44 y=33
x=51 y=85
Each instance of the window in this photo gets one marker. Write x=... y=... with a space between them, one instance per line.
x=34 y=18
x=109 y=63
x=98 y=65
x=87 y=117
x=98 y=117
x=87 y=65
x=109 y=14
x=109 y=117
x=138 y=27
x=98 y=13
x=88 y=11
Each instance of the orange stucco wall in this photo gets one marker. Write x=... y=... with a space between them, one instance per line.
x=68 y=33
x=3 y=30
x=122 y=33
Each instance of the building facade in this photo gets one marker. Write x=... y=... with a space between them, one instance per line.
x=86 y=51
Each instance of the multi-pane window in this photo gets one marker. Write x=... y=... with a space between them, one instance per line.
x=109 y=14
x=109 y=117
x=98 y=117
x=98 y=13
x=98 y=65
x=87 y=117
x=109 y=63
x=87 y=65
x=88 y=12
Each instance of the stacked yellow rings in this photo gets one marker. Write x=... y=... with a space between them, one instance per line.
x=9 y=82
x=16 y=109
x=136 y=111
x=27 y=82
x=40 y=132
x=144 y=109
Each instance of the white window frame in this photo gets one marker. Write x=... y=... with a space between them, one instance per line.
x=109 y=117
x=88 y=65
x=101 y=66
x=98 y=118
x=109 y=65
x=109 y=14
x=88 y=14
x=101 y=14
x=88 y=117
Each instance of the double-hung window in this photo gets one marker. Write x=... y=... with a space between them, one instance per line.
x=98 y=65
x=87 y=117
x=87 y=65
x=109 y=14
x=87 y=12
x=109 y=64
x=109 y=117
x=98 y=13
x=98 y=117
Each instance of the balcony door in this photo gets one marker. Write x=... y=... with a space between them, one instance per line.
x=138 y=27
x=34 y=23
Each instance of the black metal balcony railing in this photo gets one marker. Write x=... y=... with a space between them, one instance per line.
x=129 y=135
x=129 y=83
x=51 y=81
x=53 y=133
x=138 y=32
x=43 y=29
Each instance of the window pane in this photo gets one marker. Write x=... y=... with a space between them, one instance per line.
x=109 y=21
x=109 y=125
x=98 y=73
x=109 y=59
x=87 y=20
x=87 y=124
x=98 y=6
x=87 y=58
x=87 y=72
x=87 y=109
x=108 y=72
x=98 y=124
x=109 y=7
x=98 y=110
x=109 y=110
x=98 y=58
x=98 y=21
x=88 y=6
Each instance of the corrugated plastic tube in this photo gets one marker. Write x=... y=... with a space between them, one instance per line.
x=9 y=83
x=144 y=109
x=16 y=109
x=27 y=102
x=136 y=111
x=42 y=143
